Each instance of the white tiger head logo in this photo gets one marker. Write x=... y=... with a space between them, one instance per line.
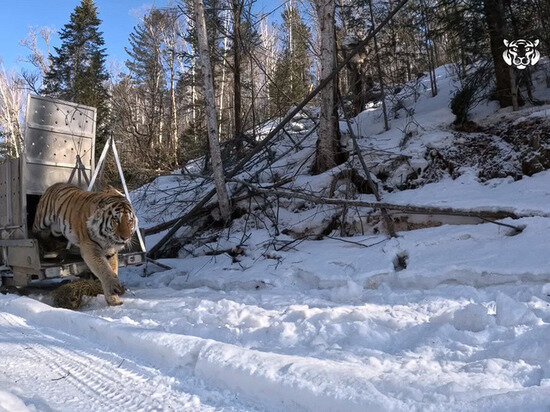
x=521 y=53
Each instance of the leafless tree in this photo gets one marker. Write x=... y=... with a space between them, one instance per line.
x=211 y=116
x=11 y=101
x=171 y=50
x=328 y=143
x=37 y=42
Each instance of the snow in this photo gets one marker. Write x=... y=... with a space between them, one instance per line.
x=464 y=326
x=510 y=312
x=473 y=317
x=454 y=315
x=12 y=403
x=280 y=348
x=529 y=196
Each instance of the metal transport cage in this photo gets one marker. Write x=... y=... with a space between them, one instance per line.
x=59 y=144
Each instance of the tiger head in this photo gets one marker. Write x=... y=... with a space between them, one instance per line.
x=521 y=53
x=114 y=221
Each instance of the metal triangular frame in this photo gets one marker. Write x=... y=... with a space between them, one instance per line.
x=99 y=169
x=81 y=169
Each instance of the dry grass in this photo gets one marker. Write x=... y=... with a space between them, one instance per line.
x=70 y=295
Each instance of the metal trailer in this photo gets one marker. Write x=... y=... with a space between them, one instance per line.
x=59 y=144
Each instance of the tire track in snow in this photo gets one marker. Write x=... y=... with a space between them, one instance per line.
x=72 y=377
x=274 y=381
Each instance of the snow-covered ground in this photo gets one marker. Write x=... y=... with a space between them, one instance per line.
x=445 y=317
x=331 y=326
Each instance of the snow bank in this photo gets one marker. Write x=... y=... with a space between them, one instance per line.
x=475 y=255
x=12 y=403
x=528 y=196
x=280 y=380
x=444 y=348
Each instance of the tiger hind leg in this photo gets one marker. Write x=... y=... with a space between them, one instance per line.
x=50 y=246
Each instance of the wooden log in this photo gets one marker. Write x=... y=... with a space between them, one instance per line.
x=486 y=215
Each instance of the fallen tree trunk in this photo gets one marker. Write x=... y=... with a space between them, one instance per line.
x=487 y=215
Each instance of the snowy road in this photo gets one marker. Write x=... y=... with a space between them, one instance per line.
x=465 y=326
x=50 y=370
x=452 y=347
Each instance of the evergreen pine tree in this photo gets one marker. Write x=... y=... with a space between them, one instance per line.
x=292 y=77
x=77 y=72
x=146 y=41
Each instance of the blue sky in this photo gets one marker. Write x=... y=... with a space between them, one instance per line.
x=118 y=16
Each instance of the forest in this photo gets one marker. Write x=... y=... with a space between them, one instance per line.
x=154 y=102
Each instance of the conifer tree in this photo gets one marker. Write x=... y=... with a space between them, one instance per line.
x=77 y=72
x=292 y=77
x=147 y=72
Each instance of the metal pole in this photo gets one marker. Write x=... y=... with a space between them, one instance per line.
x=99 y=164
x=121 y=174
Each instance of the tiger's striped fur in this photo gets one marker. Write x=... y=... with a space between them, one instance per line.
x=99 y=223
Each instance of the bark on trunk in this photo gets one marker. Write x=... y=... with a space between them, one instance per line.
x=357 y=87
x=494 y=17
x=211 y=119
x=173 y=110
x=328 y=142
x=237 y=11
x=379 y=71
x=224 y=66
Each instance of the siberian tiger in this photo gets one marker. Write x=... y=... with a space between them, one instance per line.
x=100 y=223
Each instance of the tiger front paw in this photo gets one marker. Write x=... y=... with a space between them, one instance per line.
x=112 y=289
x=113 y=300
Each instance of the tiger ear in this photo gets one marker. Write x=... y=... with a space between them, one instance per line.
x=536 y=43
x=506 y=42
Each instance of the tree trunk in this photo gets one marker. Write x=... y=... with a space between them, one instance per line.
x=173 y=110
x=379 y=71
x=237 y=11
x=514 y=89
x=357 y=87
x=328 y=142
x=224 y=65
x=211 y=119
x=494 y=17
x=429 y=46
